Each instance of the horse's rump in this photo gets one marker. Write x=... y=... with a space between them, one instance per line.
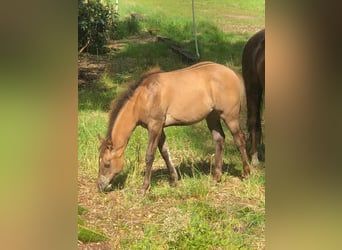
x=253 y=60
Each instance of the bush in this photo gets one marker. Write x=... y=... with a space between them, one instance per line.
x=95 y=23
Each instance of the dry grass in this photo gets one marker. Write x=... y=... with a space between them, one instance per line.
x=124 y=215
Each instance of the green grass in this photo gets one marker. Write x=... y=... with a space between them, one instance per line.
x=218 y=11
x=197 y=214
x=222 y=27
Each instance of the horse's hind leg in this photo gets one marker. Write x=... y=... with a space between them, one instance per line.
x=258 y=133
x=214 y=125
x=239 y=138
x=254 y=122
x=164 y=151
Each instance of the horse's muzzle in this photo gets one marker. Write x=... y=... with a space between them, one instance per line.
x=104 y=184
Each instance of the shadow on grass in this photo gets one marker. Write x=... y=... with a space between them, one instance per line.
x=95 y=98
x=187 y=169
x=119 y=181
x=193 y=170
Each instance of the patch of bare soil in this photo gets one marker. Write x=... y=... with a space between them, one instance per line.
x=94 y=246
x=99 y=215
x=90 y=68
x=243 y=28
x=112 y=215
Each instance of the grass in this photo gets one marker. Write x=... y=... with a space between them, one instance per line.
x=222 y=26
x=197 y=214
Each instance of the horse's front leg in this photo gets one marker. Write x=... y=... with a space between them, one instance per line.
x=154 y=132
x=164 y=151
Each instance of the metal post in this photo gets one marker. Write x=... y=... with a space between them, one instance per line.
x=195 y=32
x=116 y=6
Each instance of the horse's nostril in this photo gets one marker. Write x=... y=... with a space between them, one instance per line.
x=103 y=183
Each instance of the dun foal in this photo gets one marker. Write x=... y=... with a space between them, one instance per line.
x=160 y=99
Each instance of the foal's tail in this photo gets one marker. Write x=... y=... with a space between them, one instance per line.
x=243 y=100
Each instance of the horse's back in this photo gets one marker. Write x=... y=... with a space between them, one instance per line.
x=190 y=94
x=200 y=76
x=200 y=81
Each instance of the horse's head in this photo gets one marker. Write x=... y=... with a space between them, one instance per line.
x=109 y=165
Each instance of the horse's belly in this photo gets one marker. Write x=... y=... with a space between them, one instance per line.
x=187 y=114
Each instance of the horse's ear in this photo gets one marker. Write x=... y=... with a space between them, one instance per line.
x=102 y=140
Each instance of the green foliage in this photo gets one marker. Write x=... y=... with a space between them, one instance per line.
x=95 y=22
x=86 y=234
x=128 y=26
x=81 y=210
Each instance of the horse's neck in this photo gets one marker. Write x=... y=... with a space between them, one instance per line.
x=123 y=128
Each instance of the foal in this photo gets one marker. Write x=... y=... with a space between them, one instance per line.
x=160 y=99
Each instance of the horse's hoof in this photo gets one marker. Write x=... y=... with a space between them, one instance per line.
x=173 y=183
x=214 y=183
x=244 y=176
x=217 y=177
x=246 y=172
x=144 y=190
x=255 y=160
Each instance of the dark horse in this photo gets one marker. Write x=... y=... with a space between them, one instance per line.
x=182 y=97
x=253 y=72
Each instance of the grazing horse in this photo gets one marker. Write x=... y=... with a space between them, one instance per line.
x=182 y=97
x=253 y=72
